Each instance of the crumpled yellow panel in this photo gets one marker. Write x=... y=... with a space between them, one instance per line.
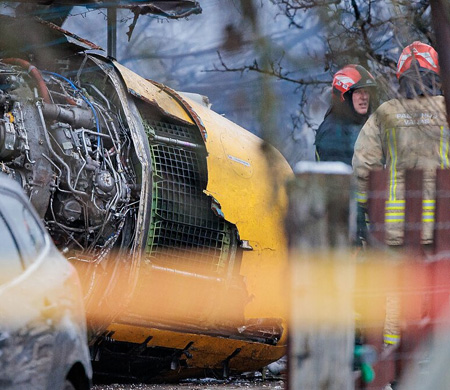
x=150 y=93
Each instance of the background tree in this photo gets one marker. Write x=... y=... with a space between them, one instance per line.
x=336 y=32
x=267 y=64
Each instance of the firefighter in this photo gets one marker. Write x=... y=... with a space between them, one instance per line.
x=353 y=92
x=408 y=132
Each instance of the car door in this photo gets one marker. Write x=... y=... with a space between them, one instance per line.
x=26 y=332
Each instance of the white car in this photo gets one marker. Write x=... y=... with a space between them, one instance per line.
x=43 y=341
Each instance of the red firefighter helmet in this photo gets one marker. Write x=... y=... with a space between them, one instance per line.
x=352 y=77
x=424 y=54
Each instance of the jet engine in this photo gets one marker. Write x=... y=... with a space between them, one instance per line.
x=168 y=210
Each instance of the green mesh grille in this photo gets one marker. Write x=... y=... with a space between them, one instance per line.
x=186 y=247
x=184 y=231
x=183 y=133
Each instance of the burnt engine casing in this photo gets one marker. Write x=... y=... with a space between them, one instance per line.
x=71 y=152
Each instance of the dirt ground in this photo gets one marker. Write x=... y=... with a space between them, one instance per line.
x=203 y=384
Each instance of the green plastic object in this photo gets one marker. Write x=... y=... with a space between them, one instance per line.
x=367 y=373
x=365 y=356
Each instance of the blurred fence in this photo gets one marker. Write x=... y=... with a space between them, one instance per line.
x=347 y=303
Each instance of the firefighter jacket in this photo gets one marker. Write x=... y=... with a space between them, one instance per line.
x=336 y=136
x=403 y=134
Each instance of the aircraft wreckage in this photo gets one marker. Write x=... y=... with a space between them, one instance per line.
x=166 y=209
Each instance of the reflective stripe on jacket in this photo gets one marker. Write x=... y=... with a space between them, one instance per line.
x=400 y=135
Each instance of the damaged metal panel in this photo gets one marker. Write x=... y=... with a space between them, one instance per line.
x=242 y=189
x=80 y=43
x=148 y=92
x=188 y=353
x=249 y=192
x=191 y=250
x=180 y=99
x=239 y=174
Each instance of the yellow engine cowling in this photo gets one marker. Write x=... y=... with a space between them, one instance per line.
x=231 y=317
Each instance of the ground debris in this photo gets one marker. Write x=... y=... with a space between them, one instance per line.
x=203 y=384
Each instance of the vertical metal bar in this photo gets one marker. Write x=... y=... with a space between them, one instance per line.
x=413 y=278
x=322 y=278
x=442 y=212
x=376 y=204
x=413 y=209
x=112 y=31
x=441 y=268
x=385 y=367
x=440 y=16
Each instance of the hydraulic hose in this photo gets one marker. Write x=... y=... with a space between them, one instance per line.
x=34 y=73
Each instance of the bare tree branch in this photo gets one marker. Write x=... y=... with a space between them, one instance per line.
x=366 y=32
x=276 y=71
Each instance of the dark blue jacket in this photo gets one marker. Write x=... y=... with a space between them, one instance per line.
x=335 y=138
